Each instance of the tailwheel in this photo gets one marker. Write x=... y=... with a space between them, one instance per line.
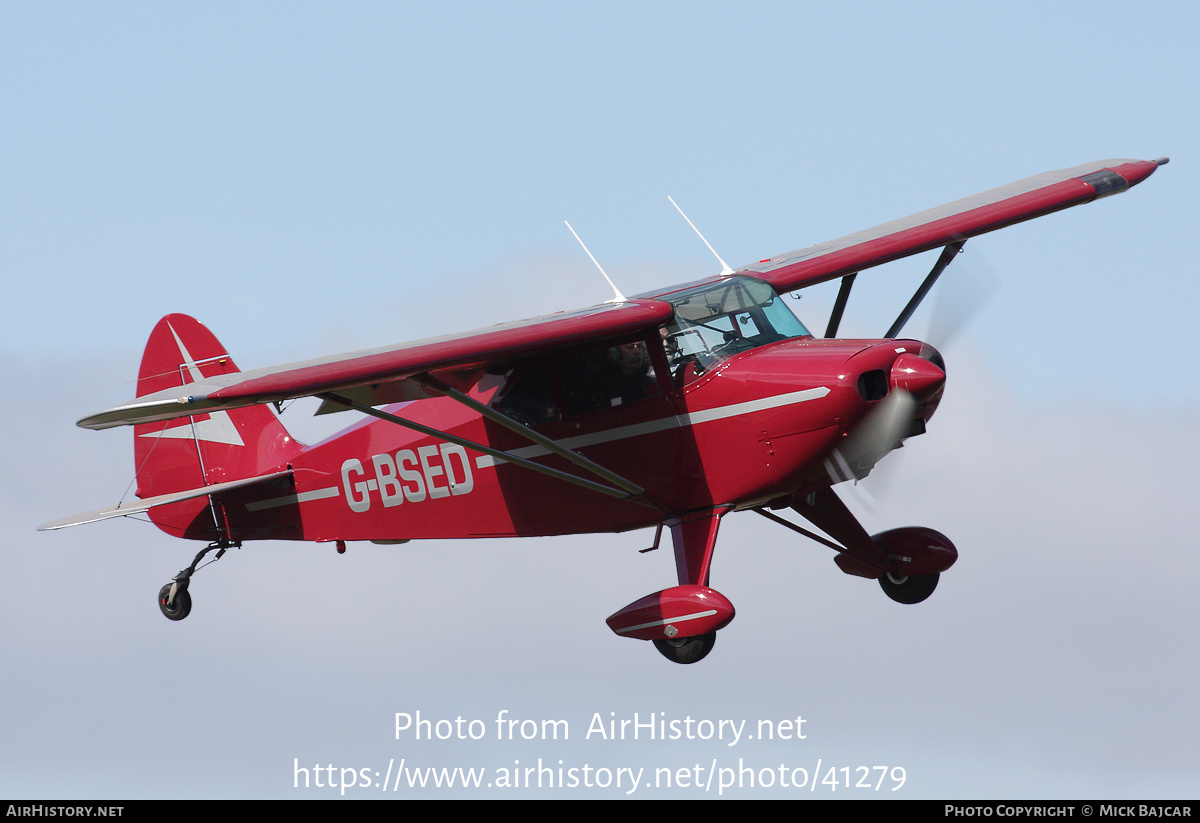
x=180 y=606
x=177 y=608
x=687 y=649
x=911 y=589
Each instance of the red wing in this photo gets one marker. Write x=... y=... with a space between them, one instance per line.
x=381 y=373
x=390 y=366
x=995 y=209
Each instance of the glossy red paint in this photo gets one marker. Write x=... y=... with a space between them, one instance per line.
x=695 y=537
x=996 y=209
x=1135 y=171
x=917 y=550
x=675 y=613
x=921 y=378
x=755 y=428
x=511 y=341
x=674 y=409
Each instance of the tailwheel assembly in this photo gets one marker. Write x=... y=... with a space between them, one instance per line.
x=683 y=620
x=174 y=601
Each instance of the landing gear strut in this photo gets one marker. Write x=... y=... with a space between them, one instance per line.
x=683 y=620
x=173 y=598
x=922 y=553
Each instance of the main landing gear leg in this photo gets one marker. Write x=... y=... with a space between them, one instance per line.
x=907 y=562
x=173 y=598
x=683 y=620
x=694 y=538
x=825 y=510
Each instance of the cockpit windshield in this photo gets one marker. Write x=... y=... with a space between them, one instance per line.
x=717 y=320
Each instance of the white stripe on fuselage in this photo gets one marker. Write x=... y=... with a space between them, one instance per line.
x=621 y=433
x=678 y=421
x=292 y=499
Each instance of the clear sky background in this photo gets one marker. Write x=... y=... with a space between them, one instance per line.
x=306 y=179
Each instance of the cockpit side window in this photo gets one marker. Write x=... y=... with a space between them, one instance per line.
x=607 y=377
x=718 y=320
x=527 y=395
x=580 y=383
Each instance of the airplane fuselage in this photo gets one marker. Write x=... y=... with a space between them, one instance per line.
x=757 y=426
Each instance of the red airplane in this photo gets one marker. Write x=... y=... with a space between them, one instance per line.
x=670 y=409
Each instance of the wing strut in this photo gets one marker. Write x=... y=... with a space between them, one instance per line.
x=628 y=491
x=434 y=384
x=839 y=305
x=947 y=255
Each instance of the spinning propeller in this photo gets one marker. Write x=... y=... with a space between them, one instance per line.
x=913 y=379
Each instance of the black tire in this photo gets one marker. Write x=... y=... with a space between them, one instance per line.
x=687 y=649
x=911 y=589
x=182 y=606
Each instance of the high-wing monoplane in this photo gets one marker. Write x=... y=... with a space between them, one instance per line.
x=669 y=410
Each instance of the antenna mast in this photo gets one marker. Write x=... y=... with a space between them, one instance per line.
x=617 y=296
x=724 y=266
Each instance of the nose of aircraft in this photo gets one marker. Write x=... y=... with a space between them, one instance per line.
x=921 y=378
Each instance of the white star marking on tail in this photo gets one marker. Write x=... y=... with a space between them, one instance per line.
x=217 y=427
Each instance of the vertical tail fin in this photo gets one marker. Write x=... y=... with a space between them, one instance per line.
x=206 y=448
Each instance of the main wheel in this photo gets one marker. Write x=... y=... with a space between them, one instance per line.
x=178 y=610
x=911 y=589
x=687 y=649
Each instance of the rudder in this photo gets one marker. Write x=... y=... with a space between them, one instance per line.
x=202 y=449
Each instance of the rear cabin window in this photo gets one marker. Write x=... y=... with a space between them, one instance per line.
x=579 y=384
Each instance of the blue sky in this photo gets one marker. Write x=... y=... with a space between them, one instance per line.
x=306 y=178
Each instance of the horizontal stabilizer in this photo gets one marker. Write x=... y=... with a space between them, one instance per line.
x=142 y=506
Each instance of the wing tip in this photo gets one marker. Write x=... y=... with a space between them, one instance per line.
x=1135 y=171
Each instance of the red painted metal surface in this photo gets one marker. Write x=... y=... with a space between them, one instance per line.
x=510 y=341
x=755 y=414
x=997 y=209
x=672 y=614
x=917 y=376
x=694 y=537
x=917 y=550
x=755 y=428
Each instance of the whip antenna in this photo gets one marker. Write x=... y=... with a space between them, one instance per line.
x=617 y=296
x=724 y=266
